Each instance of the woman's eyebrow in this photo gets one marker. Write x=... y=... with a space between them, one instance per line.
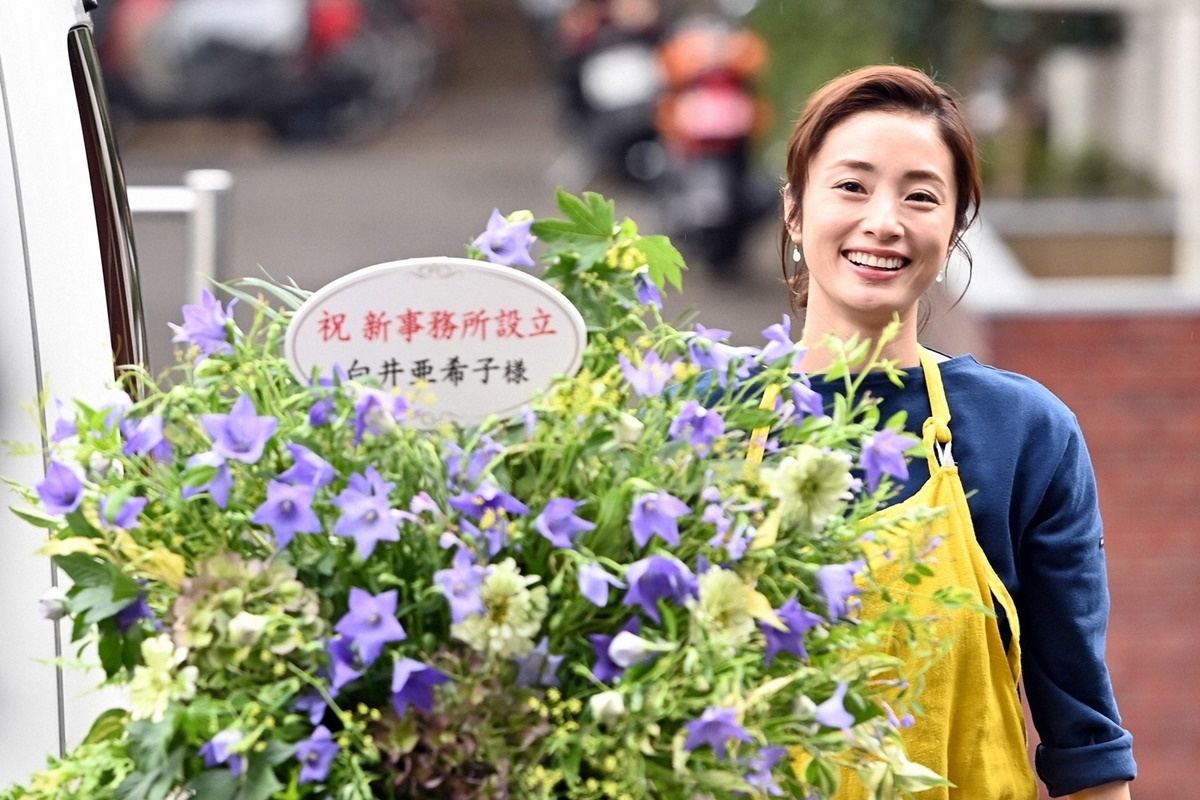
x=867 y=166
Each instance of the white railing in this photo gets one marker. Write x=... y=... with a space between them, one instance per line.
x=203 y=201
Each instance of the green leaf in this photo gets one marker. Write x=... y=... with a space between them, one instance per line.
x=154 y=784
x=84 y=570
x=592 y=214
x=260 y=782
x=213 y=784
x=109 y=649
x=37 y=518
x=109 y=725
x=664 y=262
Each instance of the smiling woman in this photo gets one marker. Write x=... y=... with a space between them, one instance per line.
x=882 y=183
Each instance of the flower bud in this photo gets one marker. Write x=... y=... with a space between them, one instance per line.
x=607 y=707
x=629 y=428
x=627 y=649
x=52 y=605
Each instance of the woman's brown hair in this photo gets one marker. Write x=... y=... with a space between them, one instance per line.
x=878 y=88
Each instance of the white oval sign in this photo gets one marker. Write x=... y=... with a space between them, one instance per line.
x=482 y=339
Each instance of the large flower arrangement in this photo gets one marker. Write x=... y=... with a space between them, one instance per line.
x=306 y=597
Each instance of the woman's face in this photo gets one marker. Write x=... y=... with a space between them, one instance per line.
x=876 y=221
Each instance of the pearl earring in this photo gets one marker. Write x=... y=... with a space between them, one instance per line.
x=796 y=256
x=941 y=274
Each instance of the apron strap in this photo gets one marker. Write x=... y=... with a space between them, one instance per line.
x=936 y=434
x=758 y=437
x=936 y=430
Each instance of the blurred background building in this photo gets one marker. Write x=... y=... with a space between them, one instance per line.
x=364 y=131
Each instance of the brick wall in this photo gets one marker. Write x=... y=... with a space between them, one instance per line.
x=1134 y=382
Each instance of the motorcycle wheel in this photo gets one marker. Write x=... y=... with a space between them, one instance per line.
x=384 y=73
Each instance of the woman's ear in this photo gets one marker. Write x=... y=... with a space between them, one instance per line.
x=791 y=217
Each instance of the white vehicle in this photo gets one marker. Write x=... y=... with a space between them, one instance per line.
x=69 y=311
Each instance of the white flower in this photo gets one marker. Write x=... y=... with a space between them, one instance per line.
x=723 y=607
x=810 y=484
x=512 y=613
x=157 y=682
x=607 y=707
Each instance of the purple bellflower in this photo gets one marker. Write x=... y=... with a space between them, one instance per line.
x=709 y=352
x=312 y=705
x=205 y=325
x=883 y=453
x=715 y=728
x=806 y=402
x=61 y=491
x=316 y=754
x=539 y=667
x=131 y=614
x=287 y=511
x=836 y=582
x=371 y=622
x=698 y=425
x=799 y=621
x=122 y=516
x=649 y=379
x=558 y=522
x=219 y=485
x=309 y=468
x=779 y=341
x=657 y=578
x=647 y=293
x=345 y=663
x=412 y=685
x=217 y=751
x=832 y=713
x=460 y=585
x=321 y=411
x=505 y=242
x=241 y=434
x=491 y=507
x=367 y=515
x=63 y=422
x=145 y=436
x=761 y=766
x=655 y=515
x=377 y=411
x=594 y=582
x=488 y=497
x=487 y=449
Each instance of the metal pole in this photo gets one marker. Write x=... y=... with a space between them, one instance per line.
x=208 y=227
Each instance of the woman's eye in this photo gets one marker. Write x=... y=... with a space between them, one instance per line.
x=923 y=197
x=851 y=186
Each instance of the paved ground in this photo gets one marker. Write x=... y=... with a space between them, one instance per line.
x=489 y=138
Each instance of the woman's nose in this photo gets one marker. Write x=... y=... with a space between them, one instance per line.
x=883 y=218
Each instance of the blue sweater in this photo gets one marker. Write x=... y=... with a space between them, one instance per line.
x=1032 y=494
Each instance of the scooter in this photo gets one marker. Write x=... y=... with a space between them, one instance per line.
x=609 y=80
x=310 y=69
x=708 y=117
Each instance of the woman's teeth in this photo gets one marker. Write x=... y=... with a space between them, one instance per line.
x=875 y=262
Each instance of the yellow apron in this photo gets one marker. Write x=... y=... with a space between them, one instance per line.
x=973 y=727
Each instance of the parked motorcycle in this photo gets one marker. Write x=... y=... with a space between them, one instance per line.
x=310 y=69
x=708 y=117
x=609 y=80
